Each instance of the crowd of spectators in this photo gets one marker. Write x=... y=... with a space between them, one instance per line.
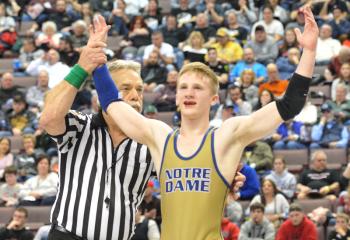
x=251 y=46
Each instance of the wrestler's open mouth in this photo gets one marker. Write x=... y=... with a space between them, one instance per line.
x=189 y=103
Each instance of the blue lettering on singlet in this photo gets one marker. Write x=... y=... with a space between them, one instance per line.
x=187 y=180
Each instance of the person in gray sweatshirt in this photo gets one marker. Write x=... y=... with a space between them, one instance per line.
x=284 y=180
x=258 y=227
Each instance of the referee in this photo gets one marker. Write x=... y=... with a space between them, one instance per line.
x=102 y=173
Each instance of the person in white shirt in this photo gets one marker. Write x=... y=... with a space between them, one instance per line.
x=52 y=64
x=41 y=189
x=327 y=47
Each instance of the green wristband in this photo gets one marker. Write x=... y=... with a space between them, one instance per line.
x=76 y=76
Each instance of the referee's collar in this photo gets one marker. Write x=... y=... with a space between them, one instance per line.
x=98 y=121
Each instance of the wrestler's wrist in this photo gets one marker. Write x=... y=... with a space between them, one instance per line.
x=76 y=76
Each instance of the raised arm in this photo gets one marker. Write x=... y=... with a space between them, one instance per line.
x=265 y=120
x=59 y=100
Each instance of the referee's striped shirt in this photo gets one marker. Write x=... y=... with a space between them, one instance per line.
x=100 y=187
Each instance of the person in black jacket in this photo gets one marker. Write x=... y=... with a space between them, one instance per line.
x=16 y=229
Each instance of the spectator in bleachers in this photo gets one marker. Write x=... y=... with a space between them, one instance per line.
x=333 y=69
x=259 y=156
x=287 y=65
x=324 y=9
x=244 y=10
x=152 y=72
x=9 y=191
x=202 y=25
x=233 y=210
x=37 y=11
x=341 y=104
x=41 y=189
x=28 y=53
x=152 y=15
x=219 y=68
x=68 y=55
x=341 y=230
x=165 y=51
x=139 y=36
x=344 y=78
x=21 y=119
x=236 y=30
x=7 y=30
x=284 y=180
x=184 y=11
x=213 y=10
x=249 y=90
x=25 y=160
x=194 y=50
x=229 y=52
x=289 y=135
x=119 y=19
x=276 y=205
x=7 y=91
x=298 y=226
x=134 y=8
x=12 y=7
x=16 y=228
x=166 y=93
x=145 y=228
x=104 y=6
x=273 y=27
x=240 y=107
x=229 y=230
x=318 y=181
x=340 y=24
x=251 y=186
x=49 y=37
x=6 y=157
x=52 y=64
x=264 y=47
x=150 y=111
x=249 y=62
x=150 y=205
x=35 y=94
x=327 y=47
x=86 y=12
x=265 y=97
x=298 y=22
x=224 y=112
x=274 y=84
x=79 y=35
x=173 y=34
x=61 y=16
x=289 y=41
x=278 y=11
x=329 y=132
x=258 y=227
x=343 y=205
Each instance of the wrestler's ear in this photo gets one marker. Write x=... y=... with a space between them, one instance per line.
x=215 y=100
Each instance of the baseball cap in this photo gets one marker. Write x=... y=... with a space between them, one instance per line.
x=19 y=98
x=222 y=32
x=150 y=109
x=326 y=107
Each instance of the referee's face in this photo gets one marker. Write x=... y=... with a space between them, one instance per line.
x=130 y=85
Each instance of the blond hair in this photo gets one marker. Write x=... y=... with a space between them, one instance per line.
x=124 y=64
x=249 y=72
x=193 y=35
x=203 y=71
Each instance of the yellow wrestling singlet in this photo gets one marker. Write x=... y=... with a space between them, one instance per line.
x=193 y=192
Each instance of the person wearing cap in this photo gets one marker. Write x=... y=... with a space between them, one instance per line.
x=223 y=113
x=229 y=52
x=150 y=205
x=297 y=226
x=258 y=227
x=264 y=46
x=329 y=132
x=273 y=27
x=21 y=119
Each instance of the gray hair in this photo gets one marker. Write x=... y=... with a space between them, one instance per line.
x=317 y=152
x=124 y=64
x=79 y=23
x=49 y=24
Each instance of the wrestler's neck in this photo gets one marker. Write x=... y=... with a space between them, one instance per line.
x=114 y=131
x=194 y=127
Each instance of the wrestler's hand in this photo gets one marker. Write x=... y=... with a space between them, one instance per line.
x=308 y=39
x=92 y=56
x=238 y=183
x=98 y=32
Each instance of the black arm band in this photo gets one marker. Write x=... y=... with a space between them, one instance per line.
x=294 y=99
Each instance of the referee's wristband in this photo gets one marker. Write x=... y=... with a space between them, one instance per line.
x=76 y=76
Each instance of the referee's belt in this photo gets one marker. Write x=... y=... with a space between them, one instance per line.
x=62 y=229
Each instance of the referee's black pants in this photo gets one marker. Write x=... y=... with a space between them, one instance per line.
x=55 y=234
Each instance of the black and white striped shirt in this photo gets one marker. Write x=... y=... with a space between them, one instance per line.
x=100 y=187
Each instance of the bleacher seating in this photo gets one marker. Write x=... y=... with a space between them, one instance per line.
x=25 y=82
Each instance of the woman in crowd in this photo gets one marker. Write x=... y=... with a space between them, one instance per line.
x=194 y=50
x=6 y=157
x=249 y=90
